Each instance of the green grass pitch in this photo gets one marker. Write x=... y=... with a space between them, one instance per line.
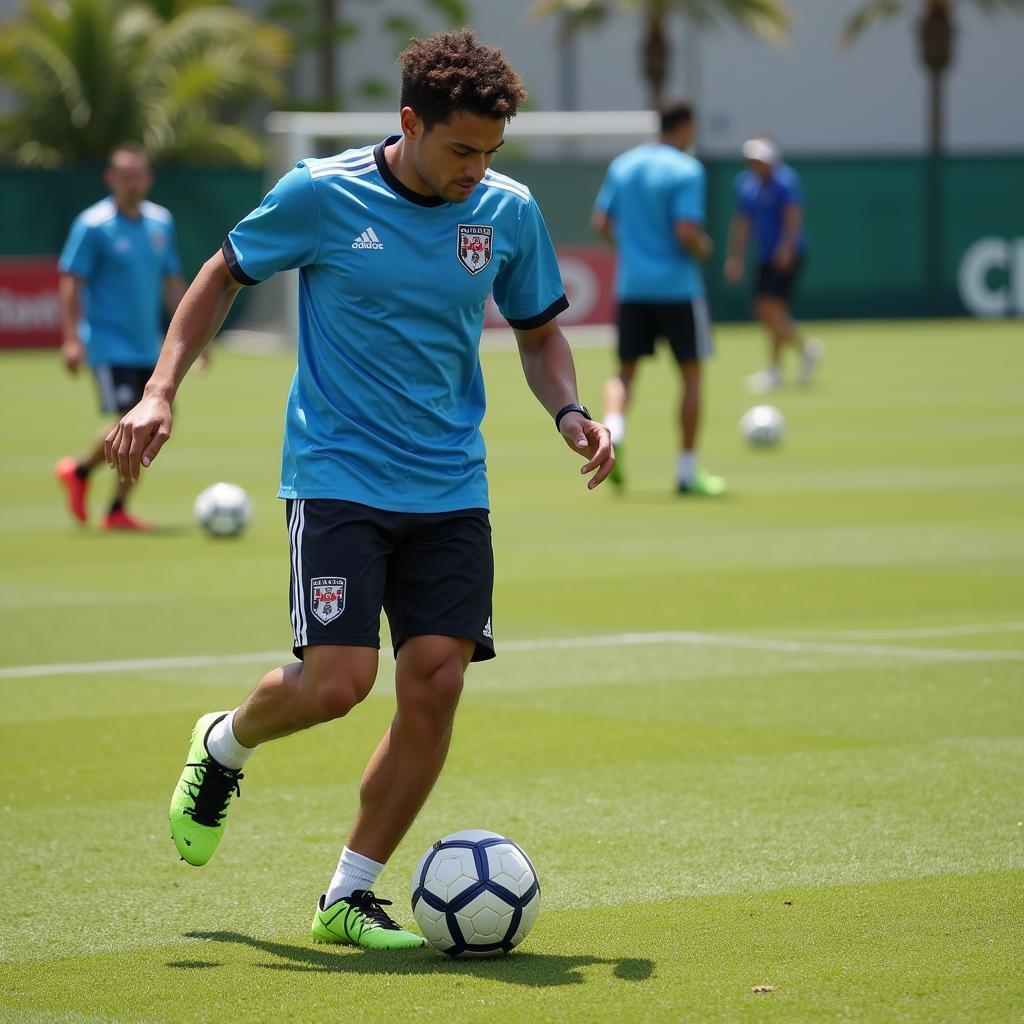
x=775 y=739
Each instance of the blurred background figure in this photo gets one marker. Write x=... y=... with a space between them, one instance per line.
x=770 y=205
x=120 y=275
x=651 y=208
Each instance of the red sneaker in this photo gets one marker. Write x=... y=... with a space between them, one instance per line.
x=121 y=520
x=75 y=485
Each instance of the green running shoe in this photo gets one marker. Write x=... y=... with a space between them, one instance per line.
x=703 y=483
x=201 y=797
x=360 y=920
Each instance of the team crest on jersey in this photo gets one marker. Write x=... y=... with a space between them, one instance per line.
x=327 y=597
x=475 y=246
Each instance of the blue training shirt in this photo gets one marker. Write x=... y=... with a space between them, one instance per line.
x=764 y=202
x=388 y=395
x=646 y=191
x=123 y=262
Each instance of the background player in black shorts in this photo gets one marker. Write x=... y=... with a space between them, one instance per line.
x=651 y=208
x=769 y=204
x=119 y=274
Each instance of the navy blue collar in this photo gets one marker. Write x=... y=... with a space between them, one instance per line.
x=394 y=184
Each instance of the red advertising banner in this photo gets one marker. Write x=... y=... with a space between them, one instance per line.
x=29 y=311
x=588 y=272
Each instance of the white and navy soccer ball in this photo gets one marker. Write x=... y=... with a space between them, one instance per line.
x=475 y=894
x=763 y=425
x=223 y=510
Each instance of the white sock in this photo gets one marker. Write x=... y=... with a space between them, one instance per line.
x=687 y=467
x=354 y=872
x=222 y=746
x=616 y=424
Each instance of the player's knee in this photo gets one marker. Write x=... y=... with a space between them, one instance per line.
x=434 y=692
x=337 y=693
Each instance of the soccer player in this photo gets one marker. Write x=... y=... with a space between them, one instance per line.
x=651 y=208
x=769 y=203
x=119 y=276
x=398 y=246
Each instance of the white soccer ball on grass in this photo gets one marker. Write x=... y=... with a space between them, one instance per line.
x=475 y=894
x=763 y=425
x=223 y=510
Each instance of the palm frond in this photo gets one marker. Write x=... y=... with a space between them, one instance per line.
x=870 y=14
x=998 y=6
x=573 y=15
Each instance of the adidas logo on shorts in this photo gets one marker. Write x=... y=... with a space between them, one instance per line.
x=368 y=240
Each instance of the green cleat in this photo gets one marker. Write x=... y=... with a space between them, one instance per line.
x=703 y=483
x=201 y=797
x=360 y=920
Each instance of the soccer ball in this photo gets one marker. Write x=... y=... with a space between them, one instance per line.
x=475 y=894
x=223 y=510
x=762 y=425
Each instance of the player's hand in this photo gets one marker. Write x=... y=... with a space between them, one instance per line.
x=138 y=437
x=591 y=440
x=72 y=351
x=733 y=269
x=706 y=247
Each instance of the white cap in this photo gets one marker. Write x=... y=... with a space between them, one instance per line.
x=762 y=149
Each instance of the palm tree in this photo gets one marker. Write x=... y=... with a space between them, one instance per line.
x=936 y=35
x=88 y=74
x=768 y=19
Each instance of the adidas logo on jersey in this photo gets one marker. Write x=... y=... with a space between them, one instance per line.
x=368 y=240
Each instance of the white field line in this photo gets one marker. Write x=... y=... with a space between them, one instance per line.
x=686 y=639
x=918 y=633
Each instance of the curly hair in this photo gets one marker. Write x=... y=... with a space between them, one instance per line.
x=453 y=71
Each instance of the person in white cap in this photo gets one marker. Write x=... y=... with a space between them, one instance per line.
x=769 y=205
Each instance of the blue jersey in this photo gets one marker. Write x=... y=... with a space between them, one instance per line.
x=646 y=192
x=123 y=262
x=764 y=202
x=388 y=396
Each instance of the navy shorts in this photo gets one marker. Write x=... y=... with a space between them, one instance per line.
x=684 y=325
x=776 y=283
x=121 y=387
x=431 y=573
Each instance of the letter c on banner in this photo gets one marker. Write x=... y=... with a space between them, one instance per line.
x=981 y=298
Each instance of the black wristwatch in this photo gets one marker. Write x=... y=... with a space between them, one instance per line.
x=572 y=407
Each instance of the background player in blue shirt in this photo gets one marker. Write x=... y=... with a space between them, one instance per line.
x=651 y=208
x=398 y=246
x=770 y=205
x=120 y=276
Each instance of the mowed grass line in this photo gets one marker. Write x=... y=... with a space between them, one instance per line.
x=674 y=797
x=845 y=953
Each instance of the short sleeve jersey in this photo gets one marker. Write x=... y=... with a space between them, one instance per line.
x=646 y=192
x=123 y=262
x=764 y=203
x=387 y=398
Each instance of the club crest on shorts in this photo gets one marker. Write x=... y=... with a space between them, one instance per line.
x=327 y=597
x=475 y=246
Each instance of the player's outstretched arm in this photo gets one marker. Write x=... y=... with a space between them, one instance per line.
x=143 y=430
x=551 y=374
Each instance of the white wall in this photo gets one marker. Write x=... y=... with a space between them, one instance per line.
x=812 y=95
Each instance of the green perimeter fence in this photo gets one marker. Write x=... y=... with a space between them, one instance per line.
x=889 y=236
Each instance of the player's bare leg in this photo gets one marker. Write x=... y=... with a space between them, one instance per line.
x=404 y=767
x=328 y=684
x=398 y=779
x=690 y=479
x=617 y=393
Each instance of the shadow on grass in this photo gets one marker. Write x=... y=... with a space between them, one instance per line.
x=539 y=970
